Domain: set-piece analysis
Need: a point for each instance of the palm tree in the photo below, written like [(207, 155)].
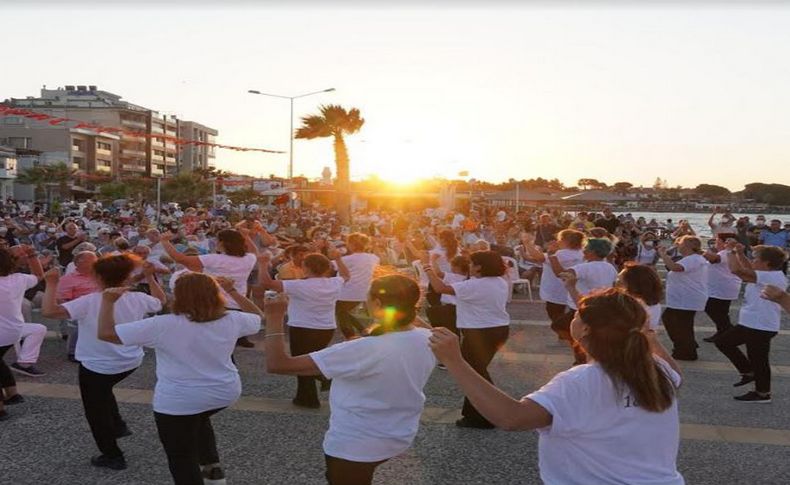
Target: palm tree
[(186, 188), (42, 177), (335, 121)]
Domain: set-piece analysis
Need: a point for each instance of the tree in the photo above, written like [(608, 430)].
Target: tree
[(43, 177), (622, 187), (246, 196), (336, 122), (186, 188), (775, 194), (709, 190), (587, 184), (138, 189)]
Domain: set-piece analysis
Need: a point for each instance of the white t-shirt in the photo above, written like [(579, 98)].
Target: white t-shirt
[(360, 267), (552, 289), (591, 276), (653, 315), (12, 289), (312, 302), (377, 393), (722, 283), (443, 263), (482, 302), (449, 279), (104, 357), (599, 435), (237, 268), (688, 289), (194, 371), (757, 312)]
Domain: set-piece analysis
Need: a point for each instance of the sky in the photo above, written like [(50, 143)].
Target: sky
[(691, 93)]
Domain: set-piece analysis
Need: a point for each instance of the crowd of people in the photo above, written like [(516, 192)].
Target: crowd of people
[(408, 291)]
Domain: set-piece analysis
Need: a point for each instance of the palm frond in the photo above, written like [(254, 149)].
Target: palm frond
[(313, 127)]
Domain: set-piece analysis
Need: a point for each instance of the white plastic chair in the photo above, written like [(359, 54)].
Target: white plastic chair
[(514, 278)]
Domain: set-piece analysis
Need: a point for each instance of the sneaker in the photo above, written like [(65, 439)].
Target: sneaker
[(305, 404), (468, 423), (15, 399), (753, 396), (113, 463), (28, 370), (123, 432), (214, 476), (712, 338), (745, 379), (682, 356)]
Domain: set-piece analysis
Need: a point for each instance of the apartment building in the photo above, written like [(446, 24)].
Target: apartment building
[(7, 171), (138, 152), (196, 156)]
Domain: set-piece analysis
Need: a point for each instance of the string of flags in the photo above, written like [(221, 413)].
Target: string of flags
[(7, 111)]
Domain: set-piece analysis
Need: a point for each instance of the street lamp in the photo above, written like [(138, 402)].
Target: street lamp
[(291, 131)]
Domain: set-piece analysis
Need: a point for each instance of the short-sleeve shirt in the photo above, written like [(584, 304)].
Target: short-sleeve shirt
[(482, 302), (757, 312), (312, 302), (688, 289), (552, 289), (194, 370), (377, 393), (599, 434), (237, 268), (12, 289), (105, 357), (591, 276), (360, 267)]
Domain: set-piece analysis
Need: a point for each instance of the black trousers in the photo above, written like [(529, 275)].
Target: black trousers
[(680, 329), (303, 341), (346, 472), (348, 323), (442, 316), (555, 311), (562, 327), (101, 408), (719, 312), (189, 443), (478, 347), (6, 377), (758, 347)]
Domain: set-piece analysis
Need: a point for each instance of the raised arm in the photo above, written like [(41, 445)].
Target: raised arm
[(149, 271), (342, 269), (245, 304), (777, 295), (106, 331), (49, 305), (278, 360), (671, 265), (191, 263), (530, 251), (499, 408), (438, 285), (264, 275), (740, 265), (569, 278)]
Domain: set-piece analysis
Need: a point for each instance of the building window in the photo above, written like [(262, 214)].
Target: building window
[(14, 120), (103, 163), (17, 142), (103, 146)]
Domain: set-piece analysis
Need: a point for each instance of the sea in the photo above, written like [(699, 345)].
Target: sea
[(698, 220)]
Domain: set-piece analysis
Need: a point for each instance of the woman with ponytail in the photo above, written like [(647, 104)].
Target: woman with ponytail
[(377, 396), (612, 420)]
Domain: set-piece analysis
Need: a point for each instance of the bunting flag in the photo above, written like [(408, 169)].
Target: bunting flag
[(6, 111)]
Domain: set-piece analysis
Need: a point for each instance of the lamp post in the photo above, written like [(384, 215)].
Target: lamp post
[(291, 126)]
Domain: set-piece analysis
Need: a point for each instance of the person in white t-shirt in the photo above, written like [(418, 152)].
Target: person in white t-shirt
[(613, 420), (687, 294), (777, 295), (596, 273), (562, 254), (642, 282), (195, 376), (482, 318), (12, 325), (235, 259), (361, 265), (311, 315), (102, 364), (445, 314), (377, 396), (723, 288), (758, 320)]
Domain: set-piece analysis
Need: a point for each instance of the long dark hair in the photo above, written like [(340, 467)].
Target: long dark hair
[(617, 343), (642, 282)]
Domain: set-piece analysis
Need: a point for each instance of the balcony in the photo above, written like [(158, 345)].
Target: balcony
[(132, 153), (102, 151), (103, 169), (156, 171), (157, 158), (140, 125), (171, 162), (128, 167), (158, 129), (157, 144)]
